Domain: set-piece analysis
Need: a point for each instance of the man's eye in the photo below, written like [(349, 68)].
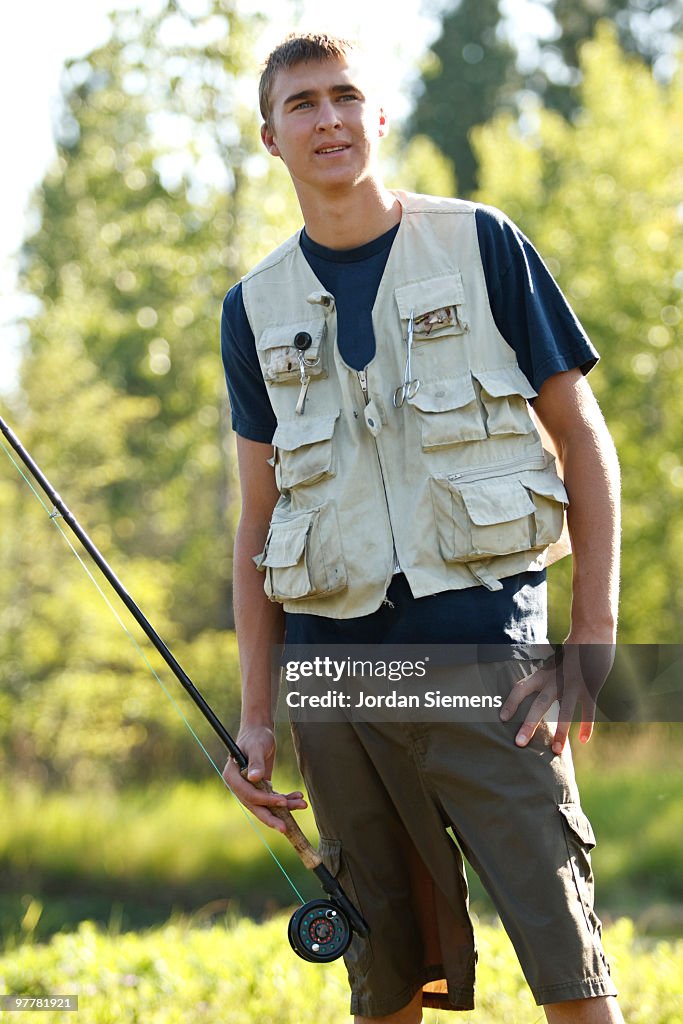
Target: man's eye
[(303, 105)]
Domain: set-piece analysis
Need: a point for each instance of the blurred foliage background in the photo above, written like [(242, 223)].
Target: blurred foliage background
[(159, 199)]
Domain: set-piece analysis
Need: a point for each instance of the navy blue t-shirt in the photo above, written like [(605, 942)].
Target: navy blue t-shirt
[(534, 318)]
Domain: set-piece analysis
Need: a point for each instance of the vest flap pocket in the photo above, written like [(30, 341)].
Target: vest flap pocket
[(303, 555), (508, 380), (482, 519), (550, 499), (440, 396), (279, 357), (306, 430), (504, 394), (545, 482), (495, 501), (448, 412), (436, 304), (433, 293), (286, 544), (303, 450)]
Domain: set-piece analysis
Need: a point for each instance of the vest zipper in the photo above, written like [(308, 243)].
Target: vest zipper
[(363, 381), (496, 469)]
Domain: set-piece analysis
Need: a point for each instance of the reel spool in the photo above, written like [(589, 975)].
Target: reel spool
[(319, 932)]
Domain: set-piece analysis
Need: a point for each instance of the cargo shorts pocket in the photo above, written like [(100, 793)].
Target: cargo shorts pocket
[(359, 955), (303, 451), (504, 394), (448, 412), (303, 556), (580, 840), (279, 357), (497, 516)]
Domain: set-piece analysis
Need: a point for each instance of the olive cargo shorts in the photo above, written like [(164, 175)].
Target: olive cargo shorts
[(384, 794)]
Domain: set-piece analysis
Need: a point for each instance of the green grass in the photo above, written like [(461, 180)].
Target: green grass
[(243, 972), (136, 857), (631, 782)]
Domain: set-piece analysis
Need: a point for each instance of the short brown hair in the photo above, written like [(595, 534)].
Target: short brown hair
[(296, 49)]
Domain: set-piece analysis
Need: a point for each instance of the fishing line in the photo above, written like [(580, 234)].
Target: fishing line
[(319, 931), (54, 516)]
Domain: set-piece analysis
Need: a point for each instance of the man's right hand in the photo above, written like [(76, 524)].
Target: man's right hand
[(258, 745)]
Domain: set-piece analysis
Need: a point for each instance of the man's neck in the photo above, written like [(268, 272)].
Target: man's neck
[(352, 217)]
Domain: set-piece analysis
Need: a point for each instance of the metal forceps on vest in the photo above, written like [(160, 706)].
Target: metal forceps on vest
[(411, 385)]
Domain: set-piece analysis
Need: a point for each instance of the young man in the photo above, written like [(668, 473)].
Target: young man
[(394, 489)]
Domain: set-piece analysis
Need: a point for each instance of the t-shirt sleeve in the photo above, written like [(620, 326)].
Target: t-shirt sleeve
[(527, 305), (252, 413)]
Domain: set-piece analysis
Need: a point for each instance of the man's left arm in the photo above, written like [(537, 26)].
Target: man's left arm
[(569, 413)]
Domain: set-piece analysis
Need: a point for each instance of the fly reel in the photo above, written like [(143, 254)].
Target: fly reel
[(319, 932)]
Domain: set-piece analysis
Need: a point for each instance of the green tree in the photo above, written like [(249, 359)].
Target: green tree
[(471, 71), (138, 240), (475, 68), (601, 199), (417, 165), (649, 28), (122, 398)]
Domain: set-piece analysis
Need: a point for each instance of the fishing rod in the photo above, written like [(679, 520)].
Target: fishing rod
[(319, 931)]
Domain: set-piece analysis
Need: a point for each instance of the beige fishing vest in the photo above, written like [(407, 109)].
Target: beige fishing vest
[(454, 485)]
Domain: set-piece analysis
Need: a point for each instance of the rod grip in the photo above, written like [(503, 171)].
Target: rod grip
[(308, 855)]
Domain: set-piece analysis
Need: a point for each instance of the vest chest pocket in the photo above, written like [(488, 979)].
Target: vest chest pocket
[(437, 305), (303, 556), (303, 451), (279, 357), (504, 393), (497, 515), (448, 412)]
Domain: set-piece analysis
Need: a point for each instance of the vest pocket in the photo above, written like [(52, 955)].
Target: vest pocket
[(550, 500), (448, 412), (303, 451), (279, 357), (497, 515), (303, 556), (437, 305), (503, 395)]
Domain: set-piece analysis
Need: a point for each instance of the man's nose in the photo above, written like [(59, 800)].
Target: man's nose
[(328, 116)]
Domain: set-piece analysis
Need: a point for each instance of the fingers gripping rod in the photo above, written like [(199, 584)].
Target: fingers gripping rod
[(309, 857)]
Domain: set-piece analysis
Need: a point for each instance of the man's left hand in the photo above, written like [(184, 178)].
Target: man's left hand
[(574, 676)]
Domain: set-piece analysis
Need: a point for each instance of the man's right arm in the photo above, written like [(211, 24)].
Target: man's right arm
[(259, 624)]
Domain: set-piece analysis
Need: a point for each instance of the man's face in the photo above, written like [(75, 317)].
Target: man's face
[(324, 124)]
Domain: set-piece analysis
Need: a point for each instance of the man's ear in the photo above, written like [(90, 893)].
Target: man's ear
[(383, 124), (268, 140)]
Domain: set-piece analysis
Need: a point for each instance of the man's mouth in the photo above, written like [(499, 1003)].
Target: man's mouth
[(331, 149)]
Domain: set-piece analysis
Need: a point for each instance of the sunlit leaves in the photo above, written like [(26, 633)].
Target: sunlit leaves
[(122, 397), (601, 200)]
